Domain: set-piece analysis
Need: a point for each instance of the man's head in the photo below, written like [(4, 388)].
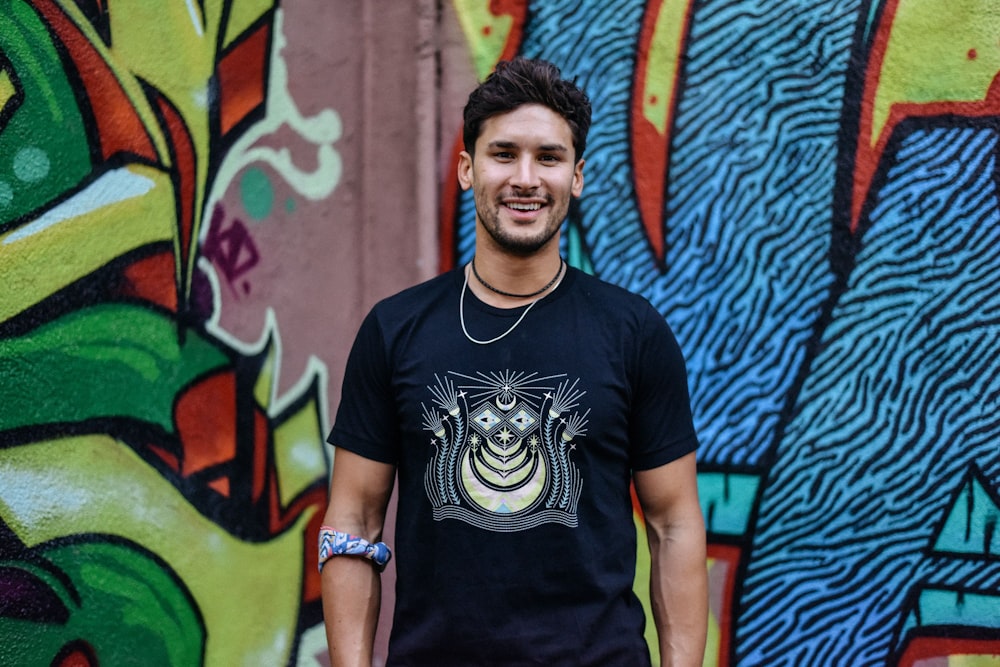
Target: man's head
[(521, 81)]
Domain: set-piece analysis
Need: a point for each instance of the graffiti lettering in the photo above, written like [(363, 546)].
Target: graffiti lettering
[(231, 249)]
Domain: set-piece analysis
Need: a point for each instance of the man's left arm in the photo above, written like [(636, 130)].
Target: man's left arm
[(675, 528)]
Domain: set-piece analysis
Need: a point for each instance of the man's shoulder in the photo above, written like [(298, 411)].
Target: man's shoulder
[(616, 298)]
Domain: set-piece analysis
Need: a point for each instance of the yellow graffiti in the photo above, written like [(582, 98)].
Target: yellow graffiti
[(664, 58), (7, 90), (175, 51), (640, 586), (166, 58), (123, 209), (298, 452), (125, 76), (216, 567), (485, 32), (299, 449), (714, 643), (938, 51), (972, 660), (242, 16)]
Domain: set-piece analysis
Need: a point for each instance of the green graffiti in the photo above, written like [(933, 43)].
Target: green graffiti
[(109, 360), (257, 193), (576, 252), (31, 164), (46, 122), (109, 596), (90, 380), (937, 608), (727, 500), (971, 524)]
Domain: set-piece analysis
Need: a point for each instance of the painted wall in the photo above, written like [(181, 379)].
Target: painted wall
[(808, 192), (187, 244), (199, 202)]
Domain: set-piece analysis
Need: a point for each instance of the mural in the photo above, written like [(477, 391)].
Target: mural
[(808, 191), (151, 471)]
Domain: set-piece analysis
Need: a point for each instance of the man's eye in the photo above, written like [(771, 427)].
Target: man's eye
[(549, 158), (503, 155)]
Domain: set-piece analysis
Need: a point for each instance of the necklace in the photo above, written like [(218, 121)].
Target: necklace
[(461, 308), (511, 294)]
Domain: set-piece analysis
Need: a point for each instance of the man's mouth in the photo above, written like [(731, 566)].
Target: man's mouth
[(523, 207)]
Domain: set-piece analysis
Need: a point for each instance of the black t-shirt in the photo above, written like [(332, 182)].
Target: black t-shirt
[(515, 542)]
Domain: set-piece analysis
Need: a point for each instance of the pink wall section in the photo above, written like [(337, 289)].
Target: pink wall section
[(328, 259)]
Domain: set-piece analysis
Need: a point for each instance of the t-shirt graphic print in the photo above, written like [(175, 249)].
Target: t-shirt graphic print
[(503, 446)]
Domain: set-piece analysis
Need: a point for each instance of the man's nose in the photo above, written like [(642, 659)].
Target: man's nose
[(525, 174)]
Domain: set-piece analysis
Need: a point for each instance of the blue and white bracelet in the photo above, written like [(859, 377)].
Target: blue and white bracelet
[(335, 543)]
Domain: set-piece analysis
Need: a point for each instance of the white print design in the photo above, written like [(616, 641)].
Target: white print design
[(502, 449)]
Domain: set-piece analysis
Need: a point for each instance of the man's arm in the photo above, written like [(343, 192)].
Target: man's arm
[(359, 493), (678, 575)]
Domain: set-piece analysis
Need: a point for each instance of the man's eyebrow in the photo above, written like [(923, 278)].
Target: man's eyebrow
[(544, 148)]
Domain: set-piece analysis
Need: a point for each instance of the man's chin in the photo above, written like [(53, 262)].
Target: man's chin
[(523, 247), (518, 238)]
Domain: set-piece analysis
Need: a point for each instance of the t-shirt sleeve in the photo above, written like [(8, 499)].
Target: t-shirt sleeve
[(366, 419), (661, 428)]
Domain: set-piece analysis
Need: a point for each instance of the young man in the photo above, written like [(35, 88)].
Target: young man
[(516, 398)]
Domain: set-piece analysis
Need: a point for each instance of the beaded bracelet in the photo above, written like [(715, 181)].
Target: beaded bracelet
[(335, 543)]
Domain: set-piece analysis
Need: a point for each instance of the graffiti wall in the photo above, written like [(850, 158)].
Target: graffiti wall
[(173, 304), (808, 191), (200, 200)]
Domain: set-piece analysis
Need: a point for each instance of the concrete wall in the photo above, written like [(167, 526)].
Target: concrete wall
[(199, 202)]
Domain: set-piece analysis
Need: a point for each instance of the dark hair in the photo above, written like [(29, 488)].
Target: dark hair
[(521, 81)]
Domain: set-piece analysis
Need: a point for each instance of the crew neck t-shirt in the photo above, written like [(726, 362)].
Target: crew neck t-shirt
[(515, 542)]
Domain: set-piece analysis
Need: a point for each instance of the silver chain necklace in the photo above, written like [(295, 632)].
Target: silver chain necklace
[(461, 310)]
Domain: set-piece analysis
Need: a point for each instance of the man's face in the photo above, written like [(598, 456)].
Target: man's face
[(522, 178)]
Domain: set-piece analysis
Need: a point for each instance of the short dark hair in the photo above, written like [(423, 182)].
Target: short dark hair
[(514, 83)]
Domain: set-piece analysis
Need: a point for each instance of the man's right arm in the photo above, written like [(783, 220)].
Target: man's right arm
[(359, 493)]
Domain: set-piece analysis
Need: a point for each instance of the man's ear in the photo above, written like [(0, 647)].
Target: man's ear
[(465, 170), (577, 189)]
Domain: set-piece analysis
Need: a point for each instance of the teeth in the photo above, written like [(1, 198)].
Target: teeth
[(525, 207)]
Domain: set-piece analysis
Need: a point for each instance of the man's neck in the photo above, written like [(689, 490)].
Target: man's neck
[(509, 281)]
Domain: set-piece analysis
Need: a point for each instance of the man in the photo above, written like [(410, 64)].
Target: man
[(516, 398)]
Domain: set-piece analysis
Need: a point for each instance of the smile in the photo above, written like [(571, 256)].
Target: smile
[(524, 207)]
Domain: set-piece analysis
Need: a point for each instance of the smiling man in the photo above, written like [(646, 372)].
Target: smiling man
[(517, 178), (515, 399)]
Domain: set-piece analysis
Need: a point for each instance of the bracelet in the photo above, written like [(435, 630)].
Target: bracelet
[(335, 543)]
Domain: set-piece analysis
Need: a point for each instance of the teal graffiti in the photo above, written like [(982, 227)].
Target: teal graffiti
[(257, 193)]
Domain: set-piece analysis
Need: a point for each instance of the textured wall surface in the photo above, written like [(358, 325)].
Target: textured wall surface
[(808, 192), (200, 200), (185, 254)]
